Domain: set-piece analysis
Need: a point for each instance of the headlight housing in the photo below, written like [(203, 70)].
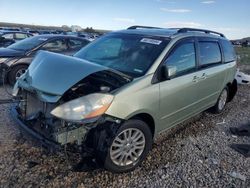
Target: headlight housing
[(86, 107)]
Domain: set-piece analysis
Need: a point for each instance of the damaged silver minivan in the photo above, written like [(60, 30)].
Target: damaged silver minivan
[(119, 92)]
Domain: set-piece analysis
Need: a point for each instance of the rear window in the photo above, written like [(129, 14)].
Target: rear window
[(228, 51), (20, 36), (209, 53)]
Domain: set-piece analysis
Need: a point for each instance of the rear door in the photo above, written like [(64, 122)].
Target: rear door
[(178, 96), (211, 72)]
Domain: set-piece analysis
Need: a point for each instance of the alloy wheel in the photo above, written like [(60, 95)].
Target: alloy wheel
[(127, 147), (20, 72)]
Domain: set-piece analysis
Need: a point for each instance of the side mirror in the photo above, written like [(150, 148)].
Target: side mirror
[(169, 71)]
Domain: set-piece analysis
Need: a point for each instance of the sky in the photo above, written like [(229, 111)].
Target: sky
[(231, 17)]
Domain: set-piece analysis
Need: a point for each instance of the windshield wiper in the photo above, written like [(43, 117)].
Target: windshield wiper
[(126, 76)]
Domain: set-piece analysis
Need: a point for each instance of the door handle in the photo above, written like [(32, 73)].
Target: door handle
[(204, 76), (195, 79)]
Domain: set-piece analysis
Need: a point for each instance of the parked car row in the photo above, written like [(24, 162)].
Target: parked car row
[(241, 43), (9, 37), (15, 59)]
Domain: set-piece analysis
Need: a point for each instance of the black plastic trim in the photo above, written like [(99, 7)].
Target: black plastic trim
[(45, 142), (184, 30)]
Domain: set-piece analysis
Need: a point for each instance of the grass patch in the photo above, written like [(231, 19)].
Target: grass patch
[(243, 54)]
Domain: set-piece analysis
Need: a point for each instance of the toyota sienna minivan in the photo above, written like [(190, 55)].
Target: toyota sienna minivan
[(118, 93)]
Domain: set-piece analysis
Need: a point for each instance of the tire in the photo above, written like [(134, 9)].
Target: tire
[(16, 71), (221, 102), (142, 141)]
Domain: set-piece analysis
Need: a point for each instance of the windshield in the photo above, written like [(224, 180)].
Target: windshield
[(128, 53), (28, 43)]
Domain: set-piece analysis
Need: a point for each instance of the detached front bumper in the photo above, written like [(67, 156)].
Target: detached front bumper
[(104, 127), (44, 141)]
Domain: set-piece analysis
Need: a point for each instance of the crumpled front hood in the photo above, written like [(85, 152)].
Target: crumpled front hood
[(54, 74)]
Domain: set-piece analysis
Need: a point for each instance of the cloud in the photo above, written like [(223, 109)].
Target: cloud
[(178, 24), (175, 10), (208, 2), (127, 20)]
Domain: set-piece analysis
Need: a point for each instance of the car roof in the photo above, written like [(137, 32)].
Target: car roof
[(51, 36), (153, 32), (171, 32)]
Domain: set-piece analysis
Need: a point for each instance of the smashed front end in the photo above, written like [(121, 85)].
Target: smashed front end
[(68, 106), (35, 114)]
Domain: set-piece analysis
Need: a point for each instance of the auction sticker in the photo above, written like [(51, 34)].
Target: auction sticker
[(151, 41)]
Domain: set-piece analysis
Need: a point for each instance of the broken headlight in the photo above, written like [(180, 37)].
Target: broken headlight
[(89, 106)]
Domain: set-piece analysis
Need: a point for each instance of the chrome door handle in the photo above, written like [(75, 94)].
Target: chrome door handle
[(204, 76), (195, 79)]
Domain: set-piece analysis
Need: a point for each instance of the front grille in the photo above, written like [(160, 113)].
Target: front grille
[(31, 106)]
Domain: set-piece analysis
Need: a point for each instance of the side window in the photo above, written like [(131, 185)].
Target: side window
[(55, 46), (182, 58), (228, 50), (76, 44), (8, 36), (20, 36), (209, 53)]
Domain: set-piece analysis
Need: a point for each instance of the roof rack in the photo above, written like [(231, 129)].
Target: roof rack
[(184, 30), (179, 30), (143, 27)]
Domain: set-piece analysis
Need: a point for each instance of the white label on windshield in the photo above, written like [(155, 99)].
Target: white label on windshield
[(138, 70), (151, 41), (43, 39)]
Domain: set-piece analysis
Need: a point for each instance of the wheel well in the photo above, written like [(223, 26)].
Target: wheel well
[(12, 67), (148, 119), (19, 64), (232, 89), (15, 65)]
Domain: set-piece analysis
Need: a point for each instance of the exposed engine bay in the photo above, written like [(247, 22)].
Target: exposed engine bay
[(99, 82)]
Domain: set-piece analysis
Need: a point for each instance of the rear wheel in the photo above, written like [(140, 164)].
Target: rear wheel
[(16, 72), (221, 103), (129, 147)]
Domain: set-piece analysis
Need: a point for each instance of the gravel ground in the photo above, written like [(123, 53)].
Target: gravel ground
[(194, 154)]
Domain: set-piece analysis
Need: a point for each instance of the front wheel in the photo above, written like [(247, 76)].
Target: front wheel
[(129, 147)]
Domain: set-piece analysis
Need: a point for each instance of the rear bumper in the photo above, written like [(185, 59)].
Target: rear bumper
[(44, 141)]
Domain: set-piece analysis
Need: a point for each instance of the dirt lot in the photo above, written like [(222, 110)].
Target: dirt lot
[(194, 154)]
